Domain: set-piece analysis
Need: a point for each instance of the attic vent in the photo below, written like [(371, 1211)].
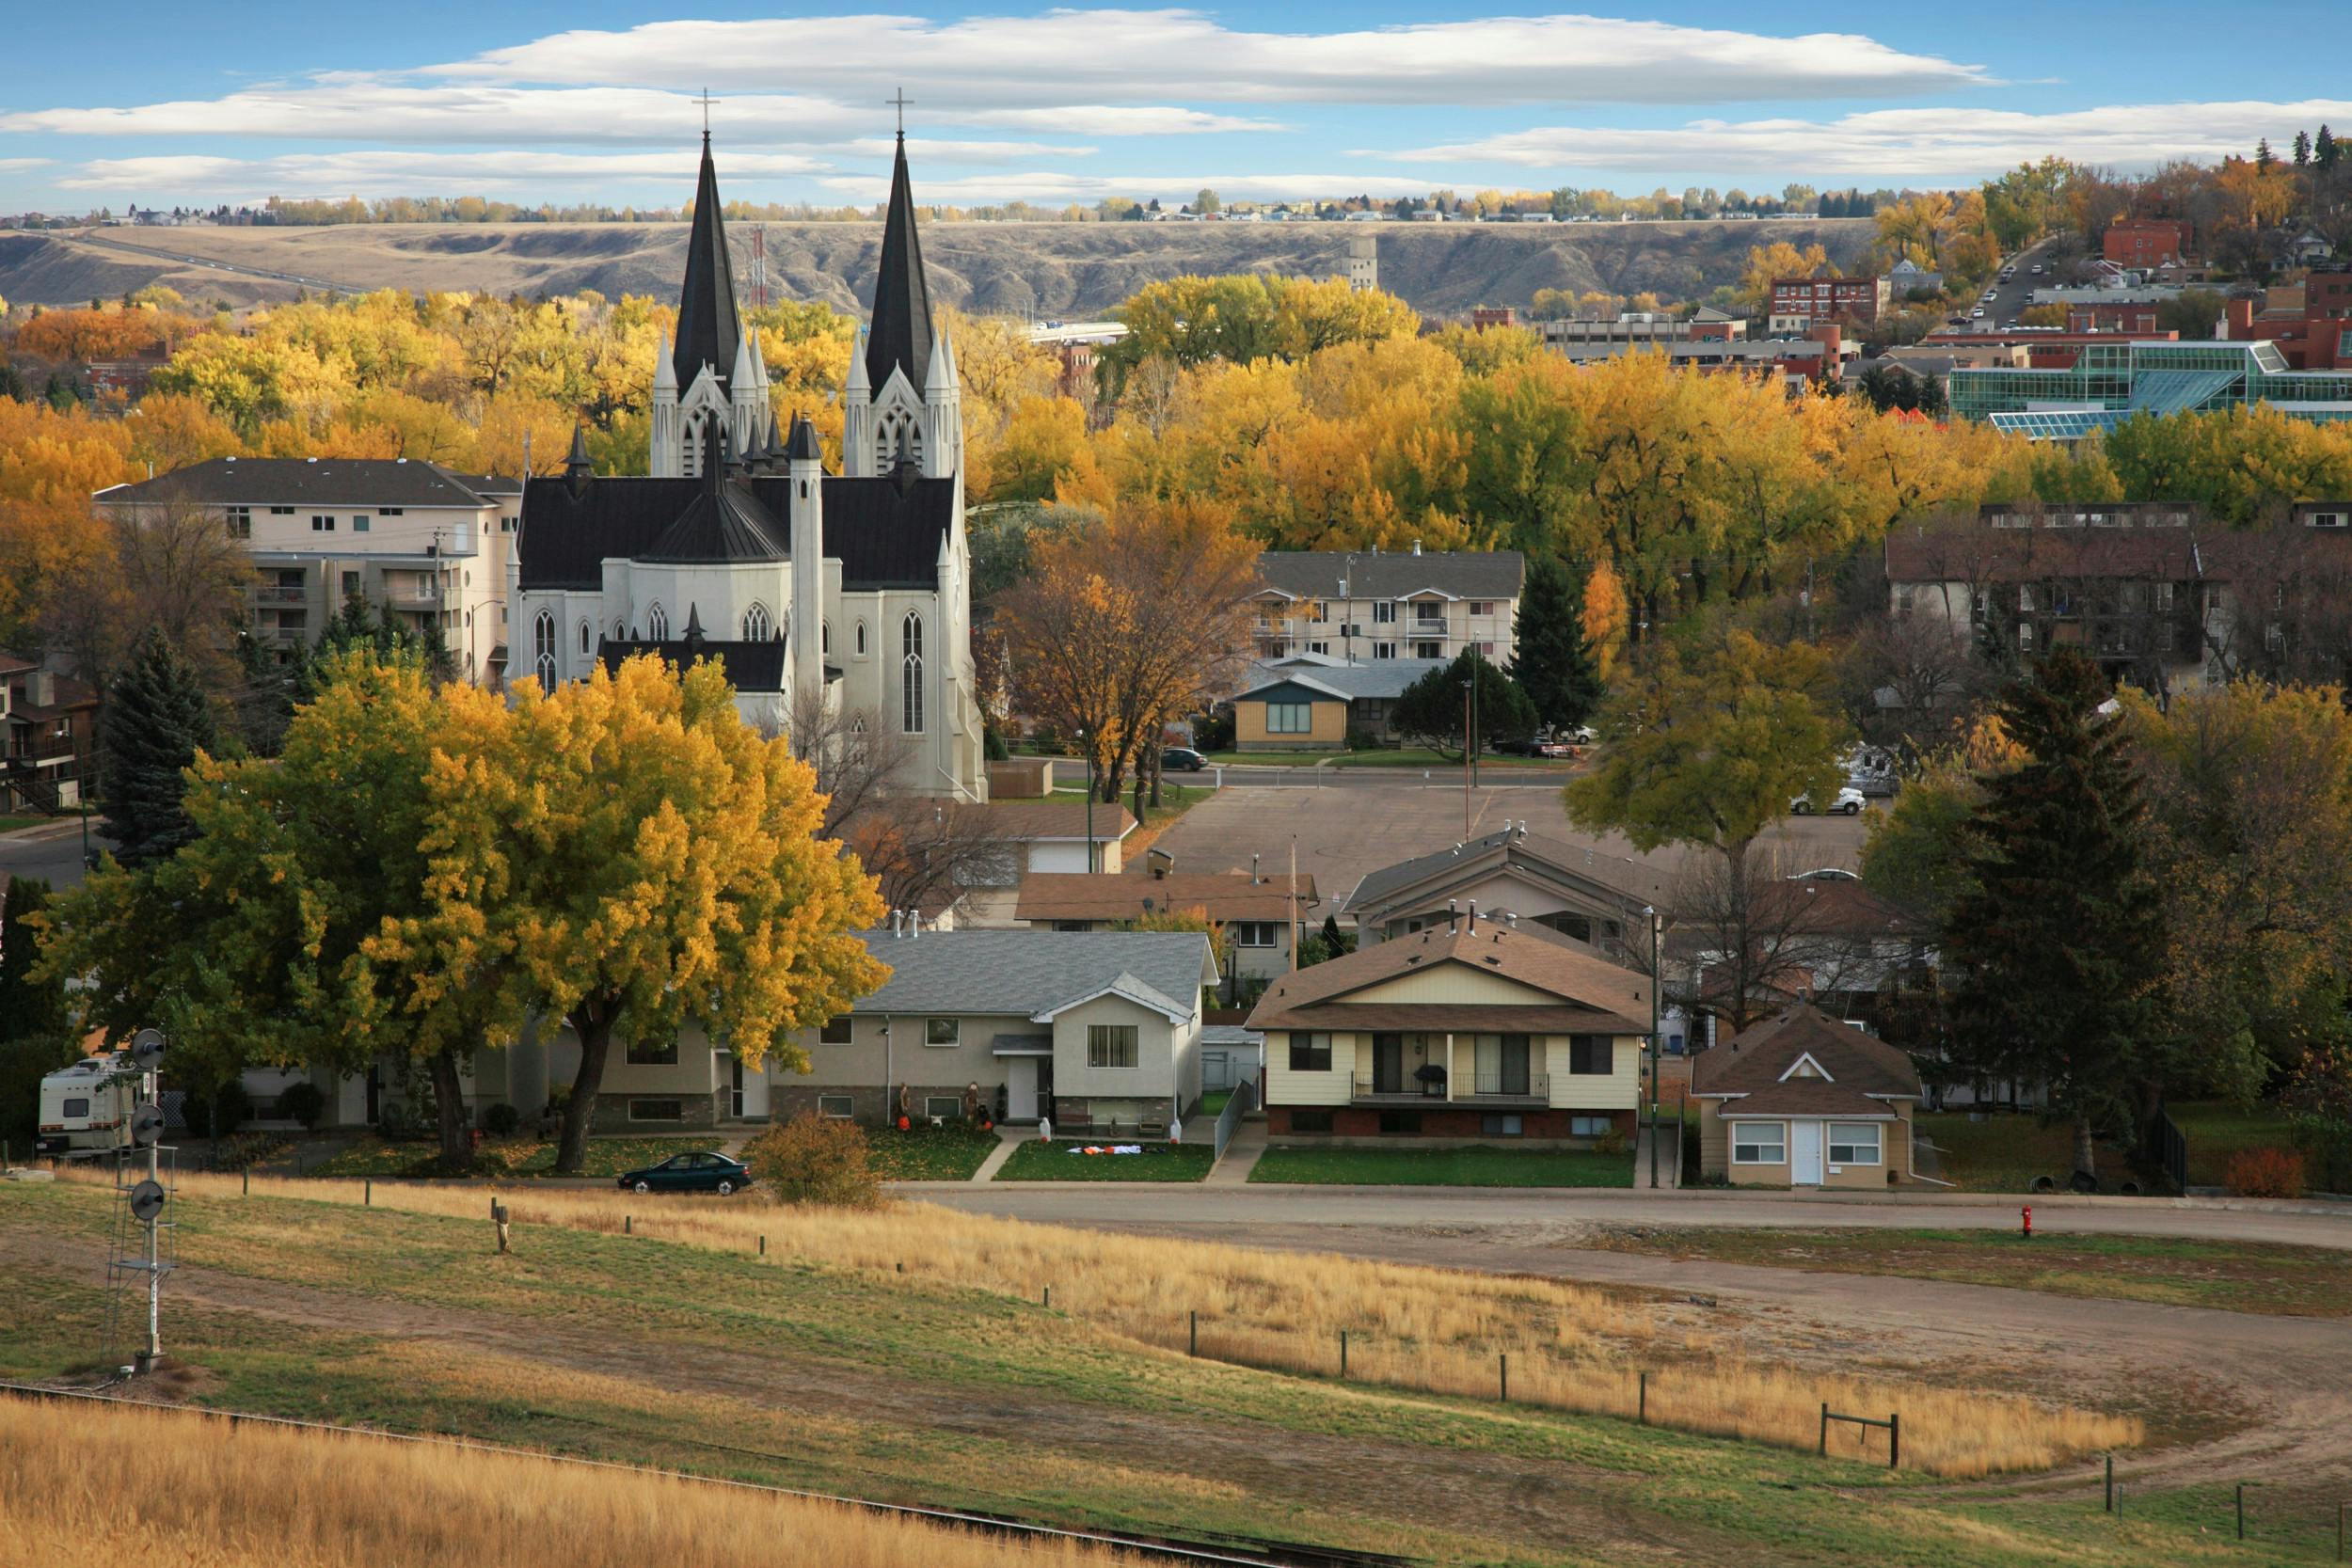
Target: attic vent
[(1494, 959), (1413, 958)]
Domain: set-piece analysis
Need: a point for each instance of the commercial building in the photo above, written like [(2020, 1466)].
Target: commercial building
[(423, 544), (2309, 322), (1797, 303), (2109, 382), (1631, 328), (1369, 605), (2148, 243)]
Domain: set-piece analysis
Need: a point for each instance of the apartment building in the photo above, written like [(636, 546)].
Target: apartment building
[(1364, 606), (421, 542), (1642, 328), (1799, 302)]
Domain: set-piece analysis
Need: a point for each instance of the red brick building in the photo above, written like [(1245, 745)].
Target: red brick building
[(2138, 321), (2311, 322), (1485, 316), (1799, 302), (2148, 242)]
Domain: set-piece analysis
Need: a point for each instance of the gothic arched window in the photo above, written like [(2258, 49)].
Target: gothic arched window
[(911, 672), (824, 639), (542, 650), (756, 624), (584, 637), (657, 624), (861, 640)]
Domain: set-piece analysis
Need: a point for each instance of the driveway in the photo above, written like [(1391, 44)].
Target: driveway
[(1344, 829)]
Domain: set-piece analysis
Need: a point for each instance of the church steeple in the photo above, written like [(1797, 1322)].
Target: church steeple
[(707, 329), (900, 335)]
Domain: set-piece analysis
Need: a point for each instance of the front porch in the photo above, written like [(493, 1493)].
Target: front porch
[(1484, 1090), (1432, 1070)]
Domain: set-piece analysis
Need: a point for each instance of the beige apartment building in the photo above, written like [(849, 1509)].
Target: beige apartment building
[(422, 542), (1371, 607)]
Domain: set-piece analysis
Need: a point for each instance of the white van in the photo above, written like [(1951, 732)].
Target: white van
[(86, 1107)]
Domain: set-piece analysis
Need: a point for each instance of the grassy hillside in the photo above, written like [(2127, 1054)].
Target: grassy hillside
[(1063, 271), (893, 1357)]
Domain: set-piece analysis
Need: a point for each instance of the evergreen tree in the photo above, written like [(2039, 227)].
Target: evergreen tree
[(12, 384), (2263, 158), (157, 719), (2324, 148), (60, 394), (25, 1007), (2302, 148), (2054, 951), (1555, 666), (1431, 712)]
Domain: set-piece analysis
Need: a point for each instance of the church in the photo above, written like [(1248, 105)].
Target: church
[(846, 593)]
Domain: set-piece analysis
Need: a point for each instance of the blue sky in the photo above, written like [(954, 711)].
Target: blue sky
[(173, 103)]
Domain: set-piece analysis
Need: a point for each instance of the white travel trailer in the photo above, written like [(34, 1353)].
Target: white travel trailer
[(85, 1109)]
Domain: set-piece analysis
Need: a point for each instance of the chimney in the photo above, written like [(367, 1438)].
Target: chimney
[(1253, 871), (898, 921), (1473, 915), (1511, 919), (1452, 915), (914, 924), (1160, 862), (1417, 547), (41, 688), (2238, 316)]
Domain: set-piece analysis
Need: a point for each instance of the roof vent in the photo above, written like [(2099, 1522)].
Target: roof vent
[(310, 460), (400, 460)]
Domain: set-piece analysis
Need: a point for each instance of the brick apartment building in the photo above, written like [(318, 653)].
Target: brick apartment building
[(2149, 243), (1799, 302), (2138, 320), (2309, 322)]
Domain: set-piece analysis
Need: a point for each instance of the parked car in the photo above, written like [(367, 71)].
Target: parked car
[(1848, 803), (1182, 759), (690, 1173)]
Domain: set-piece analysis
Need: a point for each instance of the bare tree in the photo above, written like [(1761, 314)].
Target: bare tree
[(1755, 934), (932, 854), (174, 568), (853, 752), (1914, 681)]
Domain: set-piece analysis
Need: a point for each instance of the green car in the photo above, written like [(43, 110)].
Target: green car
[(690, 1173)]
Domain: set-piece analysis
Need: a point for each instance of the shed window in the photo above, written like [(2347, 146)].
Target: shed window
[(1289, 718), (1854, 1143), (1760, 1143)]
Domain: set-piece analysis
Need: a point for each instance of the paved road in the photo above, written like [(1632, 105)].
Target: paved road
[(2010, 298), (1516, 776), (54, 853), (1240, 1213)]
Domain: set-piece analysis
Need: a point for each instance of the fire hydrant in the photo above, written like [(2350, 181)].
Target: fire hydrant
[(2028, 1211)]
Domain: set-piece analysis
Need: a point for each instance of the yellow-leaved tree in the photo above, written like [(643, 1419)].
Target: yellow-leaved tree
[(629, 856)]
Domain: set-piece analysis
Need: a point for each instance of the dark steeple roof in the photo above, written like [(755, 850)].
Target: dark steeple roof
[(725, 525), (901, 331), (706, 310), (803, 447)]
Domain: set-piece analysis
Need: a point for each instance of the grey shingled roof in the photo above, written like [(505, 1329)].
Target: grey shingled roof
[(1024, 973), (1632, 880), (1384, 677), (305, 481), (1316, 574)]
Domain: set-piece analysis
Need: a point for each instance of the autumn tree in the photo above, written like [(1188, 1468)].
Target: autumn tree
[(2054, 955), (1128, 622), (628, 856)]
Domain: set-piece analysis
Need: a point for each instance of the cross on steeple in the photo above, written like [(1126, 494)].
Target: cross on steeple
[(706, 101), (900, 101)]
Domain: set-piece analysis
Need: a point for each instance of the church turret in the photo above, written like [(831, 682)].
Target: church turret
[(942, 414), (665, 447), (578, 470), (804, 471), (857, 415), (902, 390), (743, 394)]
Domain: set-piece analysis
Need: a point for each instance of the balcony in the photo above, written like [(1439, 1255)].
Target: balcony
[(414, 597), (273, 592), (1485, 1088)]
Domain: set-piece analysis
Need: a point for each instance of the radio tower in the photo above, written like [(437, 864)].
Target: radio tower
[(759, 265)]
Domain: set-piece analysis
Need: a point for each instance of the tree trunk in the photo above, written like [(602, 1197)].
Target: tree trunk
[(2086, 1152), (592, 1021), (449, 1099)]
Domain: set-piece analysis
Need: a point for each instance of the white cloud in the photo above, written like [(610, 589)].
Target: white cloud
[(12, 165), (1894, 145), (1118, 119), (1159, 55), (390, 173), (1057, 186)]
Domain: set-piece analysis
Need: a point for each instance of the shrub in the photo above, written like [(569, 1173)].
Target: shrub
[(816, 1161), (304, 1102), (2264, 1173), (234, 1105), (1213, 731), (500, 1121), (1361, 739)]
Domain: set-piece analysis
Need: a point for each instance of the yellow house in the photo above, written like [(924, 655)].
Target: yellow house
[(1469, 1031), (1802, 1099)]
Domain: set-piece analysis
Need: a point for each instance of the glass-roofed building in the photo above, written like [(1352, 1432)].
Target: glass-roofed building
[(2108, 383)]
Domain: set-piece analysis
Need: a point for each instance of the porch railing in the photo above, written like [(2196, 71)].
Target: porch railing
[(1478, 1086)]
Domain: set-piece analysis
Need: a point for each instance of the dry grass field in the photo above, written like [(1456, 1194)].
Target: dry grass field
[(909, 1357), (167, 1486)]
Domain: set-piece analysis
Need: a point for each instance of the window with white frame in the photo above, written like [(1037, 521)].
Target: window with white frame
[(835, 1107), (942, 1107), (755, 625), (1254, 933), (858, 643), (584, 637), (1760, 1143), (240, 522), (1854, 1143), (1384, 613), (1289, 718), (1113, 1045), (1310, 1052), (543, 651), (943, 1031), (658, 624), (1428, 611), (911, 673), (322, 523), (359, 522), (1384, 650)]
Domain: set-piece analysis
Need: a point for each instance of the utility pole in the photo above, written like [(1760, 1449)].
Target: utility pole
[(1651, 910), (1468, 688), (1089, 757)]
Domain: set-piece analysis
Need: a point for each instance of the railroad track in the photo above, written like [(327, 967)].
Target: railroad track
[(1235, 1553)]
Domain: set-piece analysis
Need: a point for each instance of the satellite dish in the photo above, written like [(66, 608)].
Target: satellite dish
[(147, 1049), (147, 1125), (146, 1199)]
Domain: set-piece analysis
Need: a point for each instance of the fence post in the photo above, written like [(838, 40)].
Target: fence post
[(1894, 1438), (1823, 1451), (1343, 1355), (1641, 1414), (367, 1194), (2240, 1510), (2110, 1502), (763, 1247), (1502, 1376), (628, 1225), (2341, 1510), (244, 1187), (1196, 1331), (1047, 1299)]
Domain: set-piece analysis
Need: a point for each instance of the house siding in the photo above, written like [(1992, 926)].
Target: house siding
[(1326, 718), (1715, 1149)]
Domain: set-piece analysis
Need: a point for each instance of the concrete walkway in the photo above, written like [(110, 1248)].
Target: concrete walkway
[(1241, 1155), (1008, 1139), (1669, 1166)]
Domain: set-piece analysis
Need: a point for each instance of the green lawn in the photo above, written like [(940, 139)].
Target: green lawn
[(1213, 1102), (2216, 1129), (505, 1157), (2283, 1281), (1478, 1166), (1038, 1160), (946, 1153), (2004, 1153), (11, 824), (790, 1372), (1405, 756), (1175, 800)]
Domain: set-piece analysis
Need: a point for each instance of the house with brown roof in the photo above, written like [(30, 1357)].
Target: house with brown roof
[(1468, 1032), (1256, 915), (1802, 1099)]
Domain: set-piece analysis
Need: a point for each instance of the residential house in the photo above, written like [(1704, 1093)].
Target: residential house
[(1257, 915), (1816, 936), (1577, 891), (1314, 705), (1359, 605), (422, 542), (1043, 836), (1098, 1029), (1802, 1099), (50, 723), (1464, 1033)]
